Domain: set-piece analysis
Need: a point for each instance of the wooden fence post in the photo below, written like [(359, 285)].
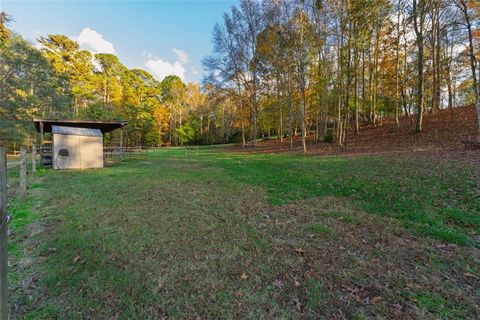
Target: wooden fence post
[(3, 234), (34, 153), (34, 158), (121, 144), (23, 172)]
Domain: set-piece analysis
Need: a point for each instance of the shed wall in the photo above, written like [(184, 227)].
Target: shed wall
[(84, 152), (91, 152)]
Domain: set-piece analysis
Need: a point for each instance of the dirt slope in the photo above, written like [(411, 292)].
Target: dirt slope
[(443, 135)]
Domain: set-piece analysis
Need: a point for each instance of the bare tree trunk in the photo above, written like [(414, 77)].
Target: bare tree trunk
[(301, 69), (397, 69), (349, 80), (473, 61), (449, 75), (439, 61), (363, 82), (325, 128), (375, 84), (340, 130), (243, 134), (281, 125), (255, 110), (170, 131), (404, 72), (339, 119), (418, 17), (320, 91), (280, 131), (302, 93), (434, 59), (207, 130), (370, 81), (340, 77), (290, 112), (355, 99)]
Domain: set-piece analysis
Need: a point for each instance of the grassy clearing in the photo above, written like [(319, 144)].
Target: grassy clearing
[(232, 235), (438, 200)]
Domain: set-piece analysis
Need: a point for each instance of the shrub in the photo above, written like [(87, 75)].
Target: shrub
[(328, 137)]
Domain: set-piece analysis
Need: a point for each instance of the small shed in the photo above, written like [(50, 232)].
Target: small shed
[(75, 144), (77, 148)]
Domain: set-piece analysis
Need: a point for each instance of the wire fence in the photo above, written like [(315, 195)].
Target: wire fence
[(15, 198), (13, 164), (13, 191), (16, 180), (118, 154)]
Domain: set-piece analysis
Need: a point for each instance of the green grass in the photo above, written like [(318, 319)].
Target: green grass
[(435, 200), (433, 303), (22, 216), (223, 235), (318, 229)]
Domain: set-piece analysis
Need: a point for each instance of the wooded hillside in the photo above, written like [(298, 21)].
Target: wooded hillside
[(324, 68)]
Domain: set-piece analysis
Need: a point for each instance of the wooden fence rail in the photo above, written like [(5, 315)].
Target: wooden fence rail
[(120, 153)]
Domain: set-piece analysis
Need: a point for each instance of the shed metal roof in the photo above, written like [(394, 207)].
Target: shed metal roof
[(104, 126), (74, 131)]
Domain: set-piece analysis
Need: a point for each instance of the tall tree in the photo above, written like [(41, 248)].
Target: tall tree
[(419, 14), (466, 8)]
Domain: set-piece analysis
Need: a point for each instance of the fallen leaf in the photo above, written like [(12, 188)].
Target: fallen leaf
[(75, 259), (397, 306), (376, 299), (470, 275), (278, 283), (300, 250), (238, 294), (448, 247), (244, 276), (298, 304), (297, 284)]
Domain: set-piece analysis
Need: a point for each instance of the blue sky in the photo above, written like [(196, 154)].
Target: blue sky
[(161, 37)]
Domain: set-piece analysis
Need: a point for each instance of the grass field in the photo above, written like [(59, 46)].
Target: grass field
[(222, 235)]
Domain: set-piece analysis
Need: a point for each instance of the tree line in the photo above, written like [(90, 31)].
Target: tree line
[(283, 68), (324, 67), (57, 79)]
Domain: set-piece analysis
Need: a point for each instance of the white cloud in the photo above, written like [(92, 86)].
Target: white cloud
[(181, 55), (96, 64), (161, 68), (93, 40), (216, 74), (38, 45)]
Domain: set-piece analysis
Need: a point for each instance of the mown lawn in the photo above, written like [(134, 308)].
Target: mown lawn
[(219, 235)]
